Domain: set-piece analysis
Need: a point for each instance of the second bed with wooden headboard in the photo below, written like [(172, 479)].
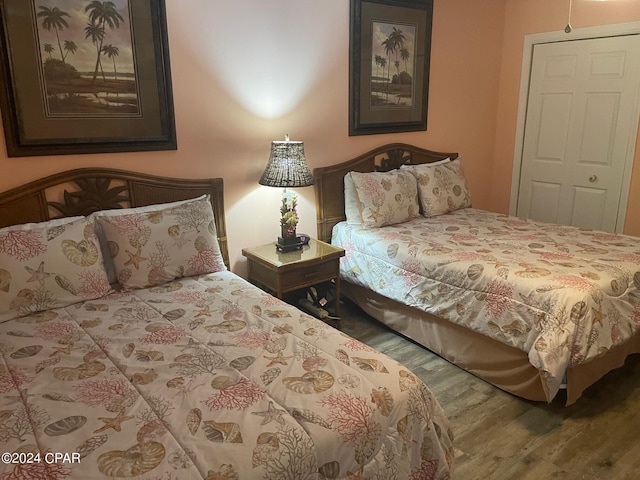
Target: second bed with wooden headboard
[(532, 308)]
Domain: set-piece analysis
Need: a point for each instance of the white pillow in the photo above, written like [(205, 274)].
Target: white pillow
[(383, 198), (49, 265), (351, 203), (430, 164)]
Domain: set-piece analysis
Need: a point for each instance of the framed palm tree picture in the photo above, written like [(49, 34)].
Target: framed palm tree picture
[(83, 76), (389, 52)]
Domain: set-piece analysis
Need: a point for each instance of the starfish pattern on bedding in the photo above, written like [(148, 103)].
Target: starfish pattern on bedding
[(38, 275), (112, 422), (271, 414), (281, 359), (134, 258), (206, 311)]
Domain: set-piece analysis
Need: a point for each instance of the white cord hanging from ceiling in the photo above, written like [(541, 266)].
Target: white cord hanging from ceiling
[(567, 29)]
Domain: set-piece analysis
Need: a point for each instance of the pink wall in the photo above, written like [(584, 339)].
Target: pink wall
[(245, 73), (523, 17)]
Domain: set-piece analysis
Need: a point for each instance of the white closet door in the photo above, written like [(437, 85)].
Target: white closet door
[(579, 120)]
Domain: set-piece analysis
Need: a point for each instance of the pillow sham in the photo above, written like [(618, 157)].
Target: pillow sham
[(351, 203), (157, 245), (442, 188), (383, 198), (49, 265), (108, 248)]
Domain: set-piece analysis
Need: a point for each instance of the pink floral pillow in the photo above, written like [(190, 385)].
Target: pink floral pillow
[(157, 246), (383, 198), (442, 188), (49, 265)]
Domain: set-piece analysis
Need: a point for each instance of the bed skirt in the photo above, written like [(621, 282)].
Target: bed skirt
[(501, 365)]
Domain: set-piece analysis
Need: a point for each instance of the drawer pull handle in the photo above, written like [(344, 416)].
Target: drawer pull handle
[(312, 274)]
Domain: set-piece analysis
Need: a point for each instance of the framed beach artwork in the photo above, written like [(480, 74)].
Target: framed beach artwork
[(389, 52), (83, 76)]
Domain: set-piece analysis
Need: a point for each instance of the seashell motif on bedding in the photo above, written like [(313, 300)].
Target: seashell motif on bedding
[(135, 461), (145, 377), (175, 382), (54, 232), (311, 382), (201, 244), (158, 276), (91, 323), (226, 327), (222, 381), (475, 271), (242, 363), (370, 364), (330, 470), (267, 444), (533, 272), (81, 372), (270, 375), (66, 284), (40, 366), (342, 356), (5, 280), (383, 400), (309, 416), (91, 444), (65, 425), (173, 231), (194, 418), (22, 299), (82, 253), (19, 333), (149, 356), (224, 432), (578, 311), (58, 397), (25, 352), (128, 349), (174, 315)]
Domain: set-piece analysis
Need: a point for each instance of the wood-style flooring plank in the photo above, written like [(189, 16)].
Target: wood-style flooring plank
[(502, 437)]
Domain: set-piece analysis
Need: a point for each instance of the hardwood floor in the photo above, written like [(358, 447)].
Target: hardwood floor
[(501, 437)]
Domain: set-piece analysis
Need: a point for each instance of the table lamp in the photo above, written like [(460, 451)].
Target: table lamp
[(287, 168)]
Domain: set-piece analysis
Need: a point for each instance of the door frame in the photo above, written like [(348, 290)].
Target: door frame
[(530, 41)]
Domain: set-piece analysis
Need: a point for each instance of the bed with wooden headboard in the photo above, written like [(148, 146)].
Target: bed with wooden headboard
[(502, 327), (128, 349)]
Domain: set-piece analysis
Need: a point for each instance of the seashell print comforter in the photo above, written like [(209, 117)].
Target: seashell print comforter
[(208, 378), (563, 295)]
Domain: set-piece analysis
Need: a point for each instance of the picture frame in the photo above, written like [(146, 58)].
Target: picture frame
[(85, 77), (389, 56)]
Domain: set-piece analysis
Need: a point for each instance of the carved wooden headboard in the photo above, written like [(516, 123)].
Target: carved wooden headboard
[(86, 190), (329, 181)]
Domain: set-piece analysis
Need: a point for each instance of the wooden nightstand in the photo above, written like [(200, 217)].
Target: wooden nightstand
[(279, 273)]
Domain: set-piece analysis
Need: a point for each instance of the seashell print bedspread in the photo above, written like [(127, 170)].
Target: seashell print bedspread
[(208, 378), (563, 295)]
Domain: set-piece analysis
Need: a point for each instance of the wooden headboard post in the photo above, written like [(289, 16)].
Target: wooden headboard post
[(329, 181), (97, 189)]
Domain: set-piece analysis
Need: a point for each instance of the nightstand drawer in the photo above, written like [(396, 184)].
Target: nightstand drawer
[(303, 277)]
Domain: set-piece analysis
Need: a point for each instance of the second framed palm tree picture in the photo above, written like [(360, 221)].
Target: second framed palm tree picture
[(85, 77), (390, 46)]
